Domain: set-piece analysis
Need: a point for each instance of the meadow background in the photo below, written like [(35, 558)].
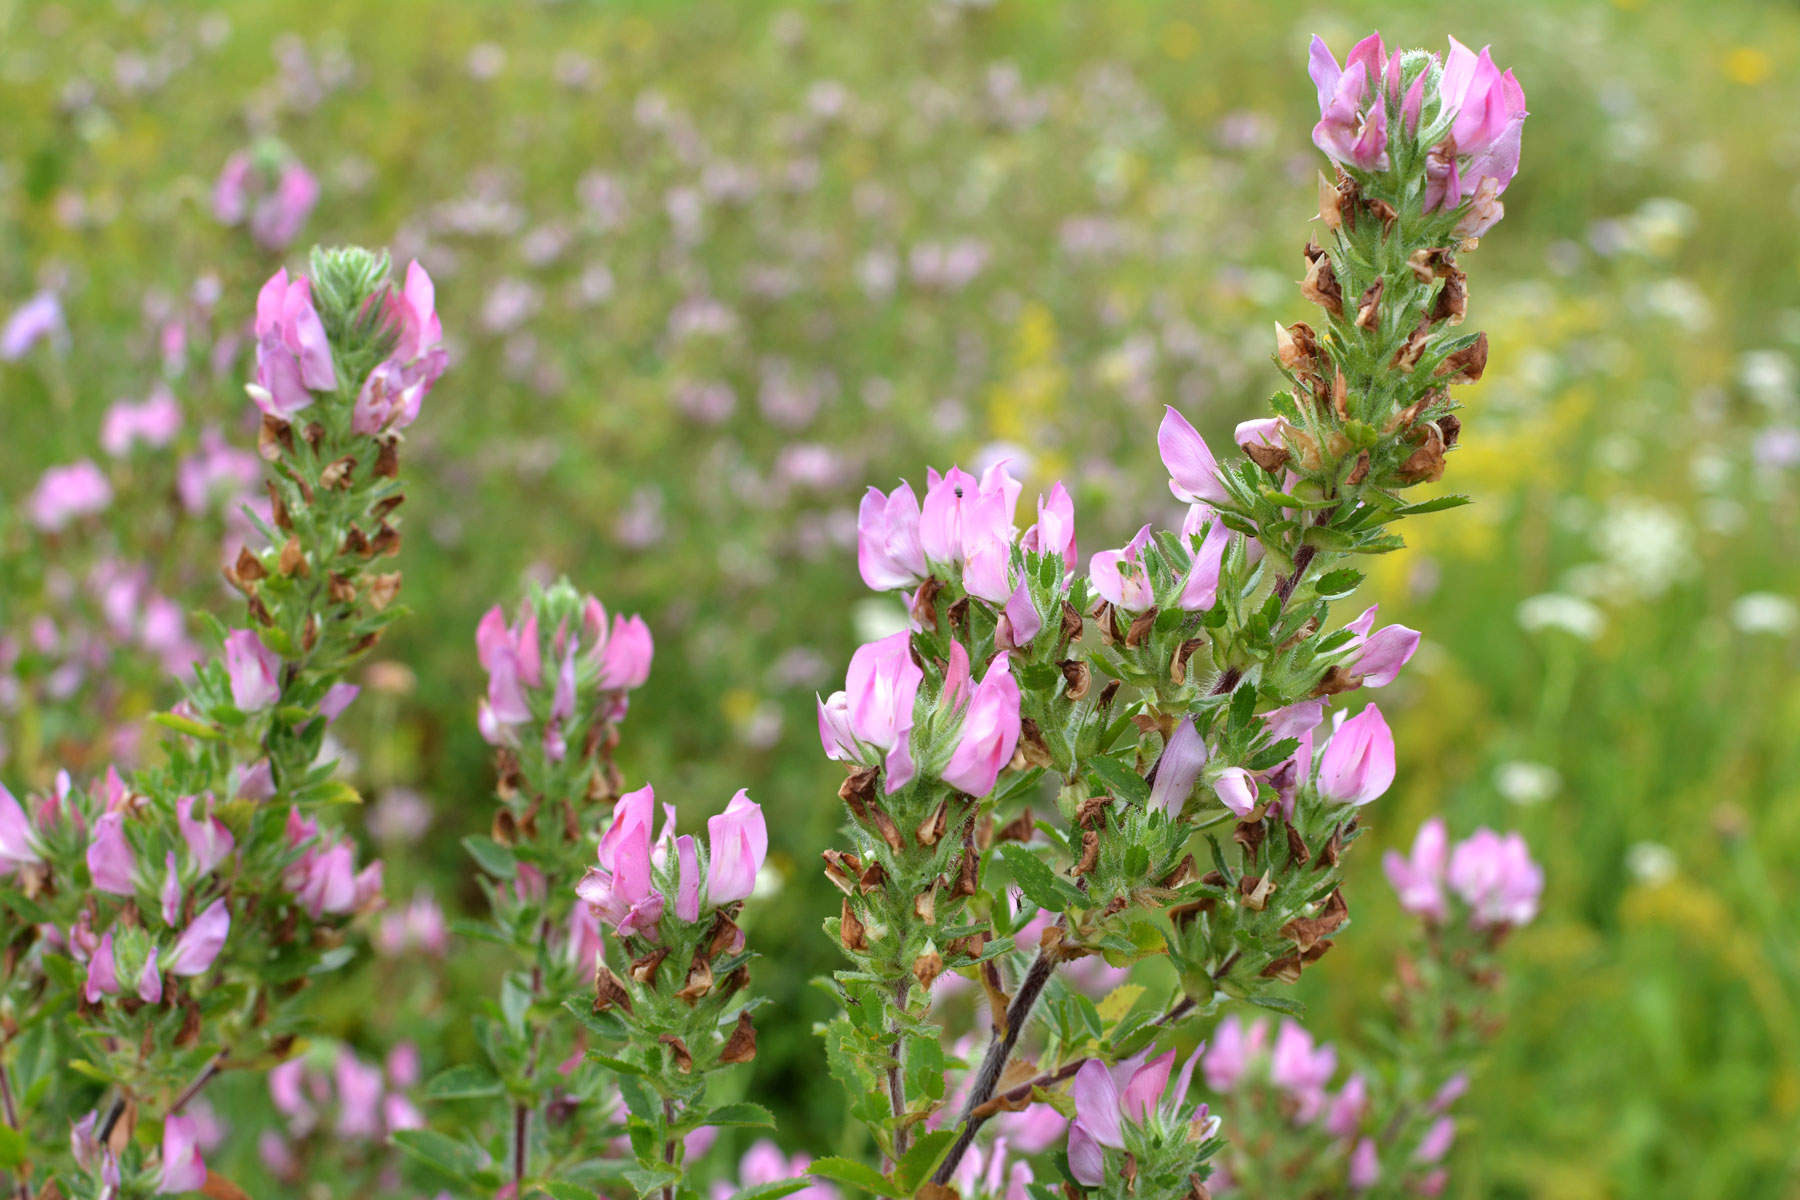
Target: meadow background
[(706, 270)]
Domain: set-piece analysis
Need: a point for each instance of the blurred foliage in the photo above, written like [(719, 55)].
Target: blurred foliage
[(708, 269)]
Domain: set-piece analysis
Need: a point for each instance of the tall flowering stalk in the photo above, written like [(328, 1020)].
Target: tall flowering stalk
[(629, 971), (161, 927), (1176, 694)]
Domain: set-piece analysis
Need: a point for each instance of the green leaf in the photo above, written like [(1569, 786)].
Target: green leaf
[(1037, 881), (917, 1163), (12, 1148), (1120, 779), (766, 1191), (461, 1083), (491, 856), (186, 725), (1281, 1004), (859, 1175), (1340, 582), (743, 1113), (1436, 504), (444, 1154), (566, 1191)]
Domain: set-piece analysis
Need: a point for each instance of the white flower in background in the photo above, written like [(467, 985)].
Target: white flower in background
[(1679, 300), (1765, 612), (876, 618), (1526, 783), (1651, 862), (1559, 610), (1769, 377), (1644, 547)]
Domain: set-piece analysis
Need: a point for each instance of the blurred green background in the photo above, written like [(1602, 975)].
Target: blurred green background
[(709, 269)]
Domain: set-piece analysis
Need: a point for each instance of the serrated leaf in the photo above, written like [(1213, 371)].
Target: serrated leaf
[(766, 1191), (1281, 1004), (1436, 504), (1119, 1001), (917, 1163), (491, 856), (1120, 779), (461, 1083), (1037, 881), (742, 1113), (1340, 582), (861, 1175), (444, 1154)]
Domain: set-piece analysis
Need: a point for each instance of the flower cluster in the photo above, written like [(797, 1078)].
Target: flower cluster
[(268, 190), (535, 674), (1492, 874)]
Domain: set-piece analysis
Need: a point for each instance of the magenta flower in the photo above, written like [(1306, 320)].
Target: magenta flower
[(687, 877), (514, 662), (280, 214), (1232, 1049), (888, 551), (254, 671), (737, 843), (961, 513), (1119, 576), (621, 888), (1054, 532), (35, 320), (1236, 789), (18, 840), (152, 422), (1020, 617), (1496, 877), (232, 190), (990, 732), (1193, 471), (875, 711), (1358, 763), (200, 943), (625, 661), (1302, 1070), (182, 1167), (1352, 128), (1381, 654), (1436, 1142), (391, 396), (207, 838), (1178, 769), (111, 862), (66, 493), (293, 357), (1201, 588), (987, 571), (1479, 155), (1103, 1107), (1365, 1166), (102, 971), (360, 1088), (1346, 1110), (1418, 879)]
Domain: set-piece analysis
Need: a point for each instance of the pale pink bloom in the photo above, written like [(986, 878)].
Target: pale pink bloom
[(1352, 128), (1381, 654), (875, 711), (1236, 789), (217, 470), (336, 699), (18, 841), (182, 1168), (150, 986), (621, 888), (1261, 431), (1301, 1069), (1358, 763), (1232, 1049), (990, 732), (152, 422), (392, 394), (513, 660), (200, 943), (960, 513), (737, 843), (687, 874), (280, 214), (987, 571), (1178, 769), (1193, 471), (35, 320), (360, 1088), (169, 898), (293, 357), (254, 671), (66, 493), (1201, 588), (1020, 617), (1119, 576), (1496, 877), (110, 860), (889, 554), (1479, 155), (625, 663), (231, 191), (1418, 879), (1054, 532), (102, 971), (1344, 1113), (1365, 1166), (765, 1163), (1436, 1142), (1133, 1092), (988, 1175)]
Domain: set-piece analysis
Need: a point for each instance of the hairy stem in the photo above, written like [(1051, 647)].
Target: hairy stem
[(206, 1076), (896, 1074), (669, 1146)]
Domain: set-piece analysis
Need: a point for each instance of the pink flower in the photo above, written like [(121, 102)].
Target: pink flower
[(987, 571), (1380, 655), (359, 1091), (200, 943), (1300, 1069), (1103, 1107), (1496, 877), (110, 860), (1352, 128), (153, 422), (1344, 1114), (687, 875), (1178, 769), (961, 513), (231, 191), (254, 671), (66, 493), (293, 357), (280, 214), (876, 708), (990, 732), (35, 320), (182, 1168), (514, 662), (1119, 576), (1231, 1051), (737, 843), (18, 841), (1358, 763), (1236, 789), (625, 663), (102, 971), (391, 396), (1193, 471), (1479, 155), (1419, 879), (1201, 588), (888, 551), (621, 888), (1020, 617), (1054, 532), (1436, 1142), (1365, 1166)]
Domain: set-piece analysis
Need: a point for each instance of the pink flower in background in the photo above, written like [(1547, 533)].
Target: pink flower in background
[(152, 422), (36, 320), (254, 671), (200, 943), (621, 888), (1231, 1051), (1344, 1113), (1193, 471), (1418, 878), (182, 1167), (737, 843), (889, 554), (293, 357), (625, 660), (1352, 128), (1119, 576), (278, 215), (765, 1163), (102, 971), (18, 841), (988, 1174), (990, 731), (68, 492), (1358, 763), (1301, 1069), (232, 190), (1365, 1166), (1496, 877), (876, 708)]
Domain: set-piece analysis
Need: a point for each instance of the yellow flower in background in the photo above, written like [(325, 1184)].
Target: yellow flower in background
[(1748, 65), (1025, 400), (1180, 40)]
